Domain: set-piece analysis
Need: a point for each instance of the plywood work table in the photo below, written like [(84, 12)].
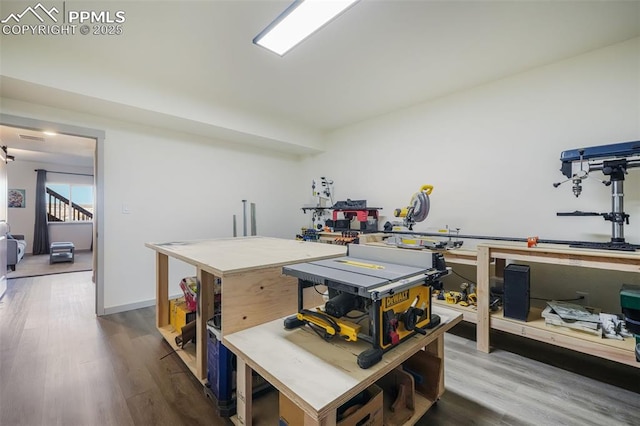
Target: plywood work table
[(320, 376), (497, 253), (535, 328), (249, 271)]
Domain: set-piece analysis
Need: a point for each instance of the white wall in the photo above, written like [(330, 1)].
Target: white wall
[(176, 187), (492, 154), (78, 233), (21, 175)]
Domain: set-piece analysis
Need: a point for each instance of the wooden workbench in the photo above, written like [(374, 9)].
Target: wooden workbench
[(496, 253), (320, 376), (249, 270), (535, 328)]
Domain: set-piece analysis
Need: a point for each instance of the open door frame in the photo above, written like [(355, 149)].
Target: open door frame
[(98, 161)]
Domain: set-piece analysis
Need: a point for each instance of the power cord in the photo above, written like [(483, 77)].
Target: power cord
[(463, 277)]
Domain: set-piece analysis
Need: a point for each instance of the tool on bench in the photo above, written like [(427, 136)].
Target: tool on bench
[(416, 211), (469, 297), (613, 161), (389, 289), (630, 303), (187, 334), (418, 208)]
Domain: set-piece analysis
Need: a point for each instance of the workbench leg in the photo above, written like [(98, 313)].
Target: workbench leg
[(439, 352), (203, 313), (483, 326), (436, 348), (329, 420), (244, 392), (500, 264), (162, 289)]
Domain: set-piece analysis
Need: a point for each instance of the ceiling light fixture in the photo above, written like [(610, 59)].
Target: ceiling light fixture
[(7, 157), (301, 19), (49, 133)]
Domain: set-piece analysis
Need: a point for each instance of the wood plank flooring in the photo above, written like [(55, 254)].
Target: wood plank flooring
[(61, 365)]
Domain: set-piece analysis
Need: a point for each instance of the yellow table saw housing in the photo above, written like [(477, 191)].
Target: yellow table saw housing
[(376, 294)]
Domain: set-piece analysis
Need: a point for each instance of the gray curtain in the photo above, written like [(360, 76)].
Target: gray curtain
[(41, 228)]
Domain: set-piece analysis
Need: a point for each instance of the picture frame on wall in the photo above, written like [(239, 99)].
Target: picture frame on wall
[(17, 198)]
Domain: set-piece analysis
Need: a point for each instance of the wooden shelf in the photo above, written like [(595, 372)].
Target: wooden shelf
[(535, 328), (265, 410), (460, 257), (614, 350), (421, 406), (319, 376), (255, 290), (622, 351), (469, 313), (188, 354)]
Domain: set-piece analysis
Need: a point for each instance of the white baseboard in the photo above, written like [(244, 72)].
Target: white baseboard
[(133, 306)]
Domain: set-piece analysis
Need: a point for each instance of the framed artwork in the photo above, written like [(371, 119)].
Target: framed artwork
[(17, 198)]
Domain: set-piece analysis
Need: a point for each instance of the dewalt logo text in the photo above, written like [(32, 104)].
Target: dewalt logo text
[(396, 298)]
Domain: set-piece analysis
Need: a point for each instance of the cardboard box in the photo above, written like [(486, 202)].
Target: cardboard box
[(369, 414), (179, 315)]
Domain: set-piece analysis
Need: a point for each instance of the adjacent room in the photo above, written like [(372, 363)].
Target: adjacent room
[(415, 212), (66, 163)]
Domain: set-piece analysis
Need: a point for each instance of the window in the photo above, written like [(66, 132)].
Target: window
[(69, 203)]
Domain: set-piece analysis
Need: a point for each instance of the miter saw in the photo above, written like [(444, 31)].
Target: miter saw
[(376, 294), (613, 161), (418, 208), (416, 211)]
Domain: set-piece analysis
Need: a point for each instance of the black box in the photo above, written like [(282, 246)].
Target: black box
[(516, 291), (339, 225)]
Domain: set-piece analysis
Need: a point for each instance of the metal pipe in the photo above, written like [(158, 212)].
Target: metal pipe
[(617, 208), (253, 218), (244, 218), (235, 230)]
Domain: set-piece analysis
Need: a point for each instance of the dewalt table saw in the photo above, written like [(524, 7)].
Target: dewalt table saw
[(377, 294)]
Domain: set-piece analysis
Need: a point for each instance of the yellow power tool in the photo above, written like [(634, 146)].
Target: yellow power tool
[(418, 208)]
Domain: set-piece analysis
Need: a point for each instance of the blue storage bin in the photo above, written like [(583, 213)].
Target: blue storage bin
[(220, 367)]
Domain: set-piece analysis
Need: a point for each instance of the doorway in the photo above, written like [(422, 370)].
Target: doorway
[(70, 157)]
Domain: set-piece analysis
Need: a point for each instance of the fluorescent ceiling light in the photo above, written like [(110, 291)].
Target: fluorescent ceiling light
[(49, 133), (301, 19)]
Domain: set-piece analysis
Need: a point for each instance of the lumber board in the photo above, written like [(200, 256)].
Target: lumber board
[(162, 290), (568, 256), (259, 296), (469, 313), (616, 350), (316, 375), (187, 354), (482, 315), (233, 255)]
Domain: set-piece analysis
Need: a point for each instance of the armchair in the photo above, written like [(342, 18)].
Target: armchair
[(16, 247)]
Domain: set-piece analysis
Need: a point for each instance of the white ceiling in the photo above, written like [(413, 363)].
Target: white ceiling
[(32, 145), (182, 59)]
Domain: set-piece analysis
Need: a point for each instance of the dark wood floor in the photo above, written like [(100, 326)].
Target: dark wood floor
[(60, 365)]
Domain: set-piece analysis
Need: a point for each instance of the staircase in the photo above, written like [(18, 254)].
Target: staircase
[(60, 209)]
